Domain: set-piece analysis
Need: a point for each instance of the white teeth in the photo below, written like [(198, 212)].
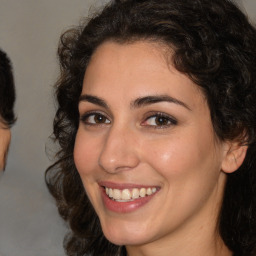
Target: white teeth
[(117, 194), (149, 191), (126, 195), (135, 193), (110, 193), (142, 192)]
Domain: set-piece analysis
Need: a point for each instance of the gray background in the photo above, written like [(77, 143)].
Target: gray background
[(29, 32)]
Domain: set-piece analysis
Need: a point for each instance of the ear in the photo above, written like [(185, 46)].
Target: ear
[(234, 156)]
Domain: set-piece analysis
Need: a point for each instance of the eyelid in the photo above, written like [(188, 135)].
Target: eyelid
[(87, 114), (173, 121)]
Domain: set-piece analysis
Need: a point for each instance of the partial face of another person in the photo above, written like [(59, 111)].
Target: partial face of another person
[(5, 137), (145, 149)]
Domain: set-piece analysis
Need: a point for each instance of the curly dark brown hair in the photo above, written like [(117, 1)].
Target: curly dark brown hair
[(215, 46)]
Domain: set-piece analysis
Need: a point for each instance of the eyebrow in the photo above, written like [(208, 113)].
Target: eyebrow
[(94, 100), (137, 103), (144, 101)]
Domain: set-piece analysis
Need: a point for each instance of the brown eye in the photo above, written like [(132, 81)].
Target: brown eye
[(159, 121), (99, 119), (95, 118)]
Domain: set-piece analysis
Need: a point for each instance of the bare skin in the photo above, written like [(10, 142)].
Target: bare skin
[(5, 138)]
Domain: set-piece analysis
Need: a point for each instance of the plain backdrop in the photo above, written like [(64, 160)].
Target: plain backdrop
[(29, 33)]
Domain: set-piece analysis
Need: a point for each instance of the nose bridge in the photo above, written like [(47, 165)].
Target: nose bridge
[(118, 152)]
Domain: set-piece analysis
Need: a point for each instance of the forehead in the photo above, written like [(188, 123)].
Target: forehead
[(124, 60), (134, 70)]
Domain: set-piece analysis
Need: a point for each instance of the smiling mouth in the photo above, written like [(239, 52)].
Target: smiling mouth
[(129, 195)]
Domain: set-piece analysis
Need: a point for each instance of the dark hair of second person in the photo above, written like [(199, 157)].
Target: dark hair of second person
[(7, 90), (7, 99)]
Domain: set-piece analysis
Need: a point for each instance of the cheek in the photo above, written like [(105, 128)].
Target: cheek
[(189, 174), (183, 157), (86, 153), (170, 154)]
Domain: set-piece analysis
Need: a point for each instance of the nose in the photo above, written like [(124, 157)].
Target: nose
[(119, 152)]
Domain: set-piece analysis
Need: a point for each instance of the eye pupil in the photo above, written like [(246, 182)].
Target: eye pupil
[(99, 119), (161, 121)]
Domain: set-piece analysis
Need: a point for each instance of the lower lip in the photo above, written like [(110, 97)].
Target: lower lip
[(124, 207)]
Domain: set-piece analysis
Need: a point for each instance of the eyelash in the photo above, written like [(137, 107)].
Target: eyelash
[(165, 118), (86, 116)]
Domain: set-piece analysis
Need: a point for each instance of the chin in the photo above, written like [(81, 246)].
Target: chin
[(123, 236), (125, 240)]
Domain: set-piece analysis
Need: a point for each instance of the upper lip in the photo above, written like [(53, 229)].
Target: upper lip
[(122, 186)]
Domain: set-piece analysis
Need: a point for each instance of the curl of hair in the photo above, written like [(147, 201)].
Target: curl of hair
[(7, 91), (215, 46)]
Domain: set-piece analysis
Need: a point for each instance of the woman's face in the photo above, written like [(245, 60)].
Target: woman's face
[(145, 148)]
